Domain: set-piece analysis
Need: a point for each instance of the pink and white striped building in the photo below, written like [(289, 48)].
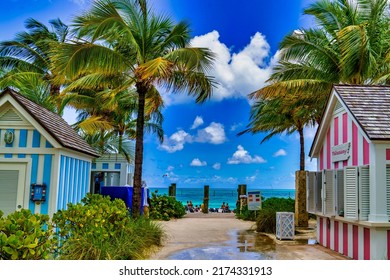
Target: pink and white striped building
[(350, 192)]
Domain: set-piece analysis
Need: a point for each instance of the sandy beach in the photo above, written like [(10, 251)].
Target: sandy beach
[(203, 230)]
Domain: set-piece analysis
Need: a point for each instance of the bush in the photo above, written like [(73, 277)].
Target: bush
[(99, 229), (266, 219), (25, 236), (163, 207)]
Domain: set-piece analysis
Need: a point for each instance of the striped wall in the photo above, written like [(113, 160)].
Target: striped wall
[(342, 130), (358, 242), (74, 180), (29, 143)]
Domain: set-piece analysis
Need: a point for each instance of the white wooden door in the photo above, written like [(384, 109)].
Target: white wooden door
[(12, 187)]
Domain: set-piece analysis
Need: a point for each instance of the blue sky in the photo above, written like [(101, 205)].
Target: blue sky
[(201, 145)]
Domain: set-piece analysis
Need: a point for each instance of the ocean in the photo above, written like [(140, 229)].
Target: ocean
[(220, 195)]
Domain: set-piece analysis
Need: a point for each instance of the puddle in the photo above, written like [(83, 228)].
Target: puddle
[(244, 245)]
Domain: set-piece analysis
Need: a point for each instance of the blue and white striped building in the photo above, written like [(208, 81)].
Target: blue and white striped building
[(39, 147)]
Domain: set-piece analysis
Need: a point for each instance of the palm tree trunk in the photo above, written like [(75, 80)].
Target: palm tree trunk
[(139, 150), (302, 150)]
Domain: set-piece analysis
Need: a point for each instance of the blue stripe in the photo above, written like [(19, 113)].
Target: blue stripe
[(48, 145), (79, 181), (34, 175), (87, 173), (21, 155), (74, 184), (8, 155), (36, 139), (46, 179), (70, 185), (23, 138), (60, 195), (66, 185)]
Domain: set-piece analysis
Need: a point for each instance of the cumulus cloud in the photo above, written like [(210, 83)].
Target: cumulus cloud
[(175, 142), (197, 122), (214, 134), (280, 153), (237, 73), (242, 156), (198, 162), (217, 166)]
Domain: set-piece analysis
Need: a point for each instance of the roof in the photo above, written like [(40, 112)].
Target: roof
[(370, 105), (55, 125)]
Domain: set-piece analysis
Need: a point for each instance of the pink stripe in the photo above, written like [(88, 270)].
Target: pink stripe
[(336, 137), (387, 154), (354, 144), (321, 232), (328, 149), (328, 232), (336, 236), (366, 243), (345, 239), (388, 244), (366, 152), (322, 159), (355, 242), (345, 128)]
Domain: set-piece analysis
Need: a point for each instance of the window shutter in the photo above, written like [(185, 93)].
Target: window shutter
[(339, 191), (318, 192), (329, 192), (310, 185), (351, 192), (364, 193)]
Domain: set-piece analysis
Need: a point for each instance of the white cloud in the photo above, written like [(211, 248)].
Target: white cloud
[(175, 142), (198, 162), (238, 73), (280, 153), (217, 166), (251, 178), (310, 164), (197, 122), (235, 126), (242, 156), (214, 134)]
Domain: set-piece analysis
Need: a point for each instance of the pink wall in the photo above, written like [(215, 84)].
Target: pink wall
[(354, 144), (336, 137), (328, 161), (366, 152)]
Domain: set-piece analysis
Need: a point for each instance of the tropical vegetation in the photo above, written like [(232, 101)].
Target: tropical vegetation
[(164, 207)]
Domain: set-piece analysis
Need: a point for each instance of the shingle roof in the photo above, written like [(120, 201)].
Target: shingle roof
[(56, 126), (370, 105)]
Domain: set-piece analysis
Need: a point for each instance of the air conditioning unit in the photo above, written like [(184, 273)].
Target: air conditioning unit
[(285, 225)]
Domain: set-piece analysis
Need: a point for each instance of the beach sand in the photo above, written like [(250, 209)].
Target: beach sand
[(203, 230)]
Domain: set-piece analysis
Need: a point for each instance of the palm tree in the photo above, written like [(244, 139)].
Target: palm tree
[(27, 64), (147, 50), (351, 45), (279, 115)]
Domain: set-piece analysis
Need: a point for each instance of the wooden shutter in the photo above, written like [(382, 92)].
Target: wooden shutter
[(318, 192), (328, 192), (339, 191), (351, 192), (364, 193), (310, 186), (8, 190)]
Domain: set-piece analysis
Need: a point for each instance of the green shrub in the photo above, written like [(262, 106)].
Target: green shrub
[(25, 236), (163, 207), (99, 229), (266, 218)]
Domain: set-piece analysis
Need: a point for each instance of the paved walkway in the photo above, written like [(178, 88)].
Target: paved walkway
[(216, 230)]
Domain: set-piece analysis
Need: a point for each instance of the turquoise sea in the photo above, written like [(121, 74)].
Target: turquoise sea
[(220, 195)]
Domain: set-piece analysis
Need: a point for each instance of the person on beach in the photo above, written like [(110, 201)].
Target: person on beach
[(223, 207)]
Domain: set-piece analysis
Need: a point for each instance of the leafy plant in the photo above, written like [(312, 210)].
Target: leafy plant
[(99, 228), (163, 207), (25, 236)]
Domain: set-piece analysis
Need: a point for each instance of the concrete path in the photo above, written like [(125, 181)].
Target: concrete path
[(219, 229)]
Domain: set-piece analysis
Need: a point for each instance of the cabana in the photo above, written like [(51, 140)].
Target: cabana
[(350, 192)]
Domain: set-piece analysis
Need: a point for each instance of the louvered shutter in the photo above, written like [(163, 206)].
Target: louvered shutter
[(318, 192), (351, 192), (388, 190), (364, 193), (329, 192), (8, 190), (310, 186), (339, 191)]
